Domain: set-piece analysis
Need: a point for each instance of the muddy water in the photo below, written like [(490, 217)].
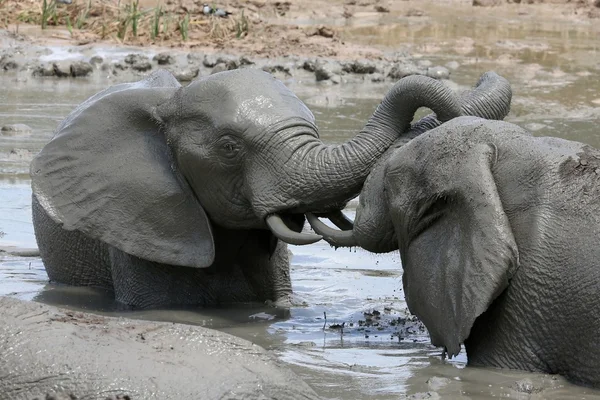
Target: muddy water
[(554, 69)]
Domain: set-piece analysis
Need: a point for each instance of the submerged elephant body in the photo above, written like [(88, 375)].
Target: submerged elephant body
[(498, 235), (173, 195)]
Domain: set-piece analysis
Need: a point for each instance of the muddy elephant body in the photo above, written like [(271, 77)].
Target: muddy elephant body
[(172, 195), (498, 234)]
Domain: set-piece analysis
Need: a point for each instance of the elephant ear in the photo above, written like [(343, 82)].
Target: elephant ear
[(457, 247), (107, 173)]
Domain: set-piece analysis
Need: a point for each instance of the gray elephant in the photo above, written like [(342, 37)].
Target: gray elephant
[(49, 353), (498, 234), (173, 195)]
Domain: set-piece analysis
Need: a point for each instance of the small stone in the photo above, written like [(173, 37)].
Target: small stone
[(377, 77), (187, 75), (597, 171), (438, 72), (424, 63), (194, 57), (15, 130), (164, 59), (435, 383), (142, 66), (135, 58), (335, 79), (219, 68), (382, 9), (7, 63), (20, 154), (96, 60), (246, 61), (399, 71), (327, 70), (415, 12), (81, 68), (44, 70), (309, 65), (209, 61), (62, 69), (272, 69), (360, 67)]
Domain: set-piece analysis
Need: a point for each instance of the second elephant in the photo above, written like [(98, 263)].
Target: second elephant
[(499, 234)]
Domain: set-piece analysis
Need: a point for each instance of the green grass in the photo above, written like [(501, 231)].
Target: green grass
[(184, 26), (155, 29), (242, 26), (48, 11)]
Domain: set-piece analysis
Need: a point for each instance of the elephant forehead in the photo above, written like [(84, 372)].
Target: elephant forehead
[(265, 110)]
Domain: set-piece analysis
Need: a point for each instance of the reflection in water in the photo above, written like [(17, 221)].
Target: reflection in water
[(379, 352)]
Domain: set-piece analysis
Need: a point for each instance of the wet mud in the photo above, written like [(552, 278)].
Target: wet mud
[(350, 335)]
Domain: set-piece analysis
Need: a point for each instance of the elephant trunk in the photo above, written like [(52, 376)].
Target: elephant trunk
[(373, 230), (330, 175)]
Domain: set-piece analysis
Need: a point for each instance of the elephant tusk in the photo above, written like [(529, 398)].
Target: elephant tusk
[(283, 232), (340, 220), (332, 236)]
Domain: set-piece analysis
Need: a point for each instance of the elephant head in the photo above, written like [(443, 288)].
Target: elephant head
[(372, 228), (147, 167)]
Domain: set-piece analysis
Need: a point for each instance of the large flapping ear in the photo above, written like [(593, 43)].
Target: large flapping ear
[(457, 247), (107, 173)]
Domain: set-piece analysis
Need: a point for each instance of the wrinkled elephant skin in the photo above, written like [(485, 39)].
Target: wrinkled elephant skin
[(172, 195), (499, 234)]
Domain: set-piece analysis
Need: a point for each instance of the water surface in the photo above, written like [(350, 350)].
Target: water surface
[(554, 70)]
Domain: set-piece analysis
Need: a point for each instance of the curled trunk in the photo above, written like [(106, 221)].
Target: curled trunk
[(373, 229)]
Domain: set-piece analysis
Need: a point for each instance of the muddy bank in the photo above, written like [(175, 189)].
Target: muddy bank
[(64, 354), (23, 59)]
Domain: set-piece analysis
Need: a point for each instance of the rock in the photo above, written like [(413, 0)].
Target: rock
[(327, 71), (360, 67), (377, 77), (422, 396), (424, 63), (142, 66), (164, 59), (44, 70), (382, 9), (187, 74), (7, 63), (335, 79), (209, 61), (62, 69), (310, 65), (321, 30), (246, 61), (96, 60), (120, 66), (438, 72), (401, 70), (272, 69), (194, 57), (487, 3), (15, 130), (81, 68), (230, 62), (135, 58), (219, 68)]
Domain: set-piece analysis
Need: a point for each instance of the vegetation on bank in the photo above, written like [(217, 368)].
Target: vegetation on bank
[(124, 20)]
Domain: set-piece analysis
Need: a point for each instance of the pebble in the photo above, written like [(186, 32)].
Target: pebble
[(16, 130)]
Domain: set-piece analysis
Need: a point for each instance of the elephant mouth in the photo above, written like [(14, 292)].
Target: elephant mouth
[(280, 224)]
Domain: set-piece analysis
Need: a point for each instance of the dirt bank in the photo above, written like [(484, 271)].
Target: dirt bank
[(262, 28)]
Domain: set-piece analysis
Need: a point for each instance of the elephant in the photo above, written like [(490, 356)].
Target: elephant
[(52, 353), (187, 195), (498, 236)]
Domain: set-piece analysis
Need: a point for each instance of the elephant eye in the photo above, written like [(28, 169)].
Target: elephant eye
[(228, 147)]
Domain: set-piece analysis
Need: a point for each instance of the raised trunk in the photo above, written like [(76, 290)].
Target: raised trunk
[(330, 175), (373, 229)]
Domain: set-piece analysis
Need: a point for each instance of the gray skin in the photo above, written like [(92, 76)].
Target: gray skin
[(111, 358), (498, 235), (172, 195)]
